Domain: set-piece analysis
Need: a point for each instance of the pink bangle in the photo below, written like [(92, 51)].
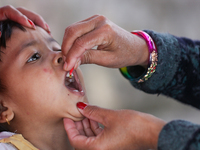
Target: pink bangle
[(153, 54)]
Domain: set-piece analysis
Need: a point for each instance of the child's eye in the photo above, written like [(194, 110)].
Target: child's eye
[(34, 57)]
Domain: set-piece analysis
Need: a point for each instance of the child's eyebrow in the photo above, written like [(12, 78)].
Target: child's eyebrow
[(34, 42), (51, 40)]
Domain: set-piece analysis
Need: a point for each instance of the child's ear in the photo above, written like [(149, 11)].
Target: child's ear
[(6, 113)]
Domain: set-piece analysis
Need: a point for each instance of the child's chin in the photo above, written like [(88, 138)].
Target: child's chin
[(78, 118)]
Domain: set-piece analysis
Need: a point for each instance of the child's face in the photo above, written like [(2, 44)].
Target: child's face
[(37, 87)]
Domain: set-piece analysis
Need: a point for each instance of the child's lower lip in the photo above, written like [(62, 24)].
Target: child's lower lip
[(76, 92)]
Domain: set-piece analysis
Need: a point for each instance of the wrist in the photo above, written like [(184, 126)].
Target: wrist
[(152, 58), (144, 61), (149, 46), (141, 51), (155, 130)]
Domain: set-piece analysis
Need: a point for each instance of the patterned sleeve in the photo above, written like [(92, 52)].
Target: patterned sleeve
[(178, 76), (178, 71)]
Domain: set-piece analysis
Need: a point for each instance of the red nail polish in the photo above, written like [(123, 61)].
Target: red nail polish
[(0, 34), (31, 23), (81, 105)]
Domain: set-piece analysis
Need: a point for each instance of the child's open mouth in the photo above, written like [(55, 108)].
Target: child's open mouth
[(73, 83)]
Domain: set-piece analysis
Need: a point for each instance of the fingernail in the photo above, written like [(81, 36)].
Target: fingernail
[(81, 105), (48, 28), (0, 34), (31, 23), (65, 66)]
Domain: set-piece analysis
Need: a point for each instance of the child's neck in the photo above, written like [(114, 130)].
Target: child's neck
[(52, 137)]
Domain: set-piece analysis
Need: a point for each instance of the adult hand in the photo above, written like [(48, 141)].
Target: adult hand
[(23, 16), (123, 129), (116, 47)]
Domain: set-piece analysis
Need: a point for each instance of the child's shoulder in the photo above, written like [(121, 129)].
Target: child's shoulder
[(5, 134), (12, 141), (6, 146)]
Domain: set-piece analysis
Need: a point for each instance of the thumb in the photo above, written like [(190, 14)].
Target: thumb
[(94, 113)]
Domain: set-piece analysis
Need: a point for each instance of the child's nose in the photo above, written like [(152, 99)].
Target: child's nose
[(58, 60)]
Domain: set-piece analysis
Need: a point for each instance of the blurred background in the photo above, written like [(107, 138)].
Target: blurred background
[(106, 87)]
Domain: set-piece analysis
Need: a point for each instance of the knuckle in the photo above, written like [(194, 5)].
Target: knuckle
[(70, 31), (4, 10), (79, 42), (87, 57), (101, 18), (9, 7), (67, 30), (107, 28)]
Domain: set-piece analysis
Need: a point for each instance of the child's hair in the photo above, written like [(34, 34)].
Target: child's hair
[(6, 28)]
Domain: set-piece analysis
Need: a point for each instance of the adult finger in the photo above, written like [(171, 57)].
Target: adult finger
[(95, 113), (87, 127), (83, 44), (9, 12), (76, 139), (80, 127), (95, 127), (70, 127), (37, 19), (76, 30)]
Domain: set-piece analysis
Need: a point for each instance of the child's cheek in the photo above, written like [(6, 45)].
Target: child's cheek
[(46, 70), (47, 74)]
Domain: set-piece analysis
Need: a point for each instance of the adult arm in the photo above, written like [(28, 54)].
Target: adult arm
[(177, 76), (118, 48), (179, 135), (123, 129), (178, 58), (178, 69)]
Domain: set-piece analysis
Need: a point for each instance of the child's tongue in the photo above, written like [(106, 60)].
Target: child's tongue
[(72, 82)]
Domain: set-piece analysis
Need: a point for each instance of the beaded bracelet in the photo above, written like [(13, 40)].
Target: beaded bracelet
[(152, 57)]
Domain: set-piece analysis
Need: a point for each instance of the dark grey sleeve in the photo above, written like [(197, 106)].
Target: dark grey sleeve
[(179, 135), (178, 71), (178, 76)]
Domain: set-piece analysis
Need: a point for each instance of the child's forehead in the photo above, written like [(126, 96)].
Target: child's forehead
[(20, 37)]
